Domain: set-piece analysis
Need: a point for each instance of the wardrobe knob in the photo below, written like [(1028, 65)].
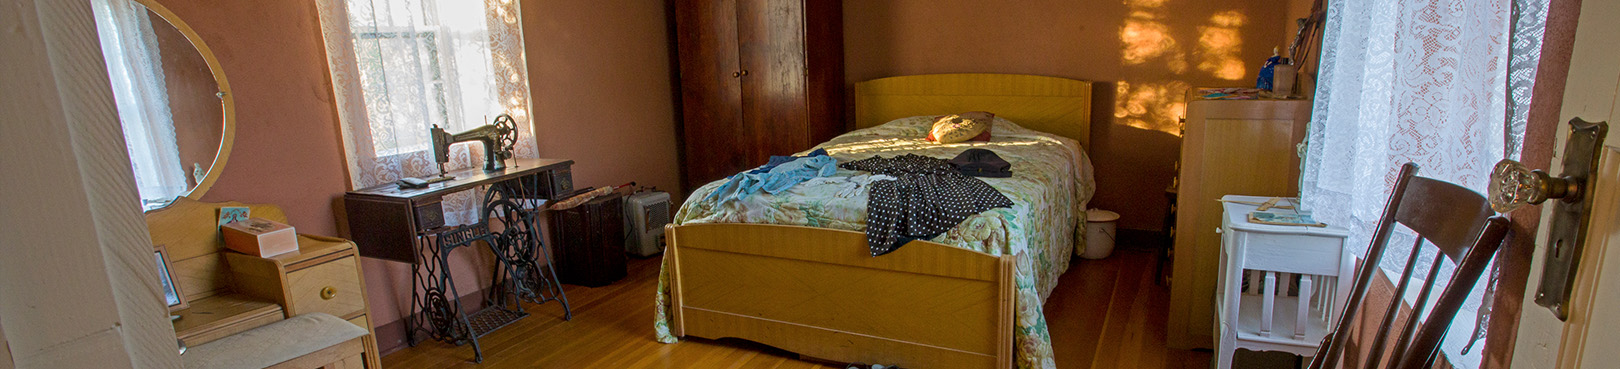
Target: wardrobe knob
[(736, 74), (745, 72)]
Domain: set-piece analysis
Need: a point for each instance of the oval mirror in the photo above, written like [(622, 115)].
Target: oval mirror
[(173, 101)]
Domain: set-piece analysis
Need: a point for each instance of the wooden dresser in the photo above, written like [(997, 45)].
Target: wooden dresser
[(322, 277), (230, 292), (758, 78), (1229, 147)]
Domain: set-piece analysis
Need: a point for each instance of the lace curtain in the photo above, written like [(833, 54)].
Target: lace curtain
[(399, 67), (135, 68), (1423, 82)]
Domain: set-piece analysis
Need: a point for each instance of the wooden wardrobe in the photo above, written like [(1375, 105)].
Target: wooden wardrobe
[(758, 78)]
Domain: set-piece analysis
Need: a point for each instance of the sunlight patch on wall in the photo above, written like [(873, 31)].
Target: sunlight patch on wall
[(1144, 38), (1219, 45), (1155, 106)]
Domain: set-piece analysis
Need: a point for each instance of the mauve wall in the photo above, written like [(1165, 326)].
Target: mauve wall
[(1141, 54)]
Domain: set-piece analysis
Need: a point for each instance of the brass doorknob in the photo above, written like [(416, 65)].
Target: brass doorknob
[(1513, 186), (328, 293)]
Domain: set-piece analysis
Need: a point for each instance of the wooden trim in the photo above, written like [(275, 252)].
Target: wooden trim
[(926, 305), (1054, 105), (227, 98)]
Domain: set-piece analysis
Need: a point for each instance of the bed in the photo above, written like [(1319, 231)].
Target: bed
[(793, 270)]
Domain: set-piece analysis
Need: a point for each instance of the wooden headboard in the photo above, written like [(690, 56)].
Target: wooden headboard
[(1055, 105)]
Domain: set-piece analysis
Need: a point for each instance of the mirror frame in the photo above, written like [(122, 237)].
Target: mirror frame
[(227, 99)]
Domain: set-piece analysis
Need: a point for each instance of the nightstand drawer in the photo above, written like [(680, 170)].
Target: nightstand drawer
[(332, 287), (1290, 253)]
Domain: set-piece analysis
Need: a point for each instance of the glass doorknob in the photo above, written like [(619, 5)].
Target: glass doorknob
[(1513, 186)]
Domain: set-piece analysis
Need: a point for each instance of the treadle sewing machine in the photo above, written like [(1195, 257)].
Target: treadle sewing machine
[(498, 139), (407, 224)]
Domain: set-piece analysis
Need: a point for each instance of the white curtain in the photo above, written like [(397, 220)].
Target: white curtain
[(1423, 82), (135, 68), (399, 67)]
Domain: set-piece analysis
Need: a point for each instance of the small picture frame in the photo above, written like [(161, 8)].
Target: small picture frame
[(232, 214), (171, 290)]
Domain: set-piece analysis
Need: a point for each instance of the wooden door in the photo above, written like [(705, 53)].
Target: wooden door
[(711, 91), (771, 44)]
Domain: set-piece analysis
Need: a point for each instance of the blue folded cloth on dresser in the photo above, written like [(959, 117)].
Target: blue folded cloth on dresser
[(779, 174)]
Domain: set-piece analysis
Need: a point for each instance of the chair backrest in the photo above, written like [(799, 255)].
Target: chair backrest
[(1461, 225)]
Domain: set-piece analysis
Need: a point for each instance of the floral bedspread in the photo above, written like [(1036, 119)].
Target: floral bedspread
[(1051, 183)]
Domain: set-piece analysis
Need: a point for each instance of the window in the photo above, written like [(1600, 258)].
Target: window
[(400, 67), (1421, 82)]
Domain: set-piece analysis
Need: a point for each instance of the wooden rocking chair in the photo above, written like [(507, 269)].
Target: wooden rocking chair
[(1457, 221)]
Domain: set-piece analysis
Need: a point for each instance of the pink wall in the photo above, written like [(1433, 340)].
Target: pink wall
[(600, 76), (287, 150), (1141, 54)]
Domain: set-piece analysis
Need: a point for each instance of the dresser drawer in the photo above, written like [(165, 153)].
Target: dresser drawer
[(332, 287)]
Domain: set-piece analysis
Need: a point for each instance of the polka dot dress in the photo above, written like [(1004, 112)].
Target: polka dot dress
[(927, 198)]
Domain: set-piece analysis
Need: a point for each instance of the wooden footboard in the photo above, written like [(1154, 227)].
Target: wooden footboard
[(819, 293)]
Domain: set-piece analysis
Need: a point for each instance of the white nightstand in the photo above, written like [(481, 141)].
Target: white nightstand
[(1264, 317)]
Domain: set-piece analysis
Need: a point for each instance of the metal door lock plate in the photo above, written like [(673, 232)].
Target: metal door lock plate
[(1513, 185)]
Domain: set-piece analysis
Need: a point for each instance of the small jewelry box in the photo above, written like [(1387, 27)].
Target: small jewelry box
[(260, 237)]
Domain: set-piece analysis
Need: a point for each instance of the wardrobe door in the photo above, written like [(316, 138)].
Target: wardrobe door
[(770, 38), (710, 91)]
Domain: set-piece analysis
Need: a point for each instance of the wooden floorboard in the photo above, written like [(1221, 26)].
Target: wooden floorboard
[(1104, 314)]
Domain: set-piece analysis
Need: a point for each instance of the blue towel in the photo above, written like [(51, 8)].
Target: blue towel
[(780, 174)]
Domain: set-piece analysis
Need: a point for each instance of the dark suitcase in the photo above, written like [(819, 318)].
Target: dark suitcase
[(589, 241)]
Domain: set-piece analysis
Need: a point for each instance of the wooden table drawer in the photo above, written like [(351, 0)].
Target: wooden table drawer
[(332, 287)]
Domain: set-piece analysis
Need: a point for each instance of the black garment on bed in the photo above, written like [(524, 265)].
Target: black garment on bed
[(981, 163), (927, 197)]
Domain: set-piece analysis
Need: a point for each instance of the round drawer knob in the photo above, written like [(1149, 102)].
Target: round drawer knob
[(328, 293)]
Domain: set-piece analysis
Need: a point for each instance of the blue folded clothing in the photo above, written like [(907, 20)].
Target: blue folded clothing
[(780, 174)]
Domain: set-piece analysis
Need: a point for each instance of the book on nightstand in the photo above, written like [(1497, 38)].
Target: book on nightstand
[(1288, 218)]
